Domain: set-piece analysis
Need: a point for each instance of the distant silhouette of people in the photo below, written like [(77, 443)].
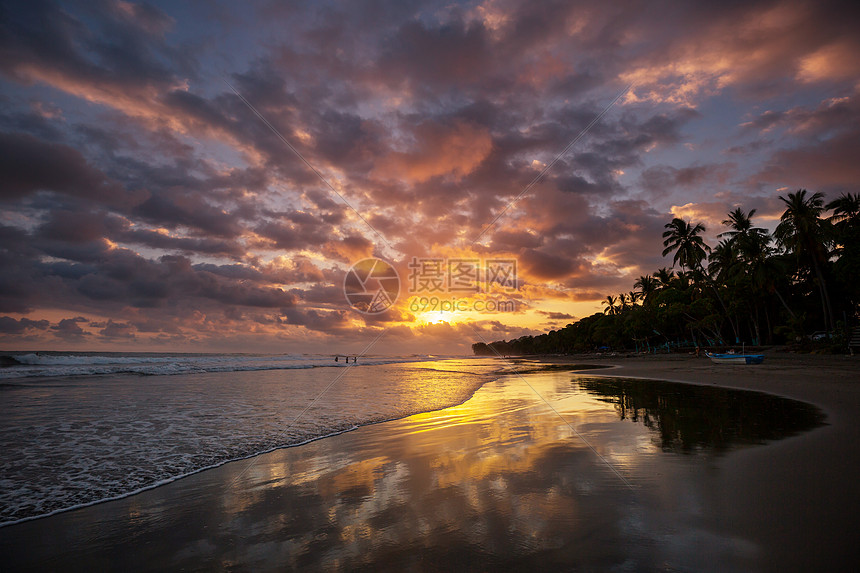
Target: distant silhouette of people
[(335, 358)]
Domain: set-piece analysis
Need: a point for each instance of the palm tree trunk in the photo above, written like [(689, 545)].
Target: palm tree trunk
[(719, 298), (757, 332), (767, 321), (825, 298), (782, 300)]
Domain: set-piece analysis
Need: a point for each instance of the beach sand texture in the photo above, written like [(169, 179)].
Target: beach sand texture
[(504, 481)]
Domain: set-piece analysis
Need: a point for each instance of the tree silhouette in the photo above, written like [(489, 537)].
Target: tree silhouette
[(611, 303), (686, 241), (765, 284), (802, 232)]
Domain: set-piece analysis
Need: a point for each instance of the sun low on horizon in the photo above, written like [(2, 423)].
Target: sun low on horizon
[(508, 163)]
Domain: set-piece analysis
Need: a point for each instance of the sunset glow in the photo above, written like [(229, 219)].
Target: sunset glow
[(165, 192)]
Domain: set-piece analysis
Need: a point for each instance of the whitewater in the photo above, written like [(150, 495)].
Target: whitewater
[(41, 364), (81, 428)]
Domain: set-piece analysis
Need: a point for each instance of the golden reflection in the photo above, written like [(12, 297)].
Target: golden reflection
[(497, 482), (360, 474), (500, 474)]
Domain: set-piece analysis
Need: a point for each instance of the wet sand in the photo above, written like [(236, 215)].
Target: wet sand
[(799, 495), (503, 481)]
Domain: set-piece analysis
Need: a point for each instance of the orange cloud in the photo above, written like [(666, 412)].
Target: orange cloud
[(834, 61), (711, 214), (439, 150), (761, 46)]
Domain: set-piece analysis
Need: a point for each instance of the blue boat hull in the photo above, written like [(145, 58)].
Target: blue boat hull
[(736, 358)]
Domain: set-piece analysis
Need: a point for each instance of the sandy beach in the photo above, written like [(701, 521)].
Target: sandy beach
[(800, 494), (504, 481)]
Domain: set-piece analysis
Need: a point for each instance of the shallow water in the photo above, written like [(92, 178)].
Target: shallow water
[(74, 440), (614, 475)]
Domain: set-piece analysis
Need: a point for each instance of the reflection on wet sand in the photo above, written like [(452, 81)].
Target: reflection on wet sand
[(497, 482), (689, 418)]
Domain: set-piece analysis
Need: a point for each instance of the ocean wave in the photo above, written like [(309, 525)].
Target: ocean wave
[(83, 441), (31, 365)]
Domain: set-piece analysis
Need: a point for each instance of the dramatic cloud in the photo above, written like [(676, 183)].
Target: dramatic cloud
[(31, 165), (201, 178)]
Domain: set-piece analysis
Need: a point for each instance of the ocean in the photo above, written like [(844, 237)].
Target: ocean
[(81, 428)]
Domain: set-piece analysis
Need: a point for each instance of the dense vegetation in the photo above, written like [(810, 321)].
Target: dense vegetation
[(753, 287)]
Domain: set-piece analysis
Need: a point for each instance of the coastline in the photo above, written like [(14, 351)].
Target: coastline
[(798, 488), (819, 467), (438, 403), (823, 380)]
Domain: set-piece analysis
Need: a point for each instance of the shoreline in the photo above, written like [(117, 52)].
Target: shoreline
[(490, 377), (781, 490), (167, 481), (811, 378)]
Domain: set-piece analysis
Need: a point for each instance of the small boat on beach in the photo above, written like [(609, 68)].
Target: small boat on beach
[(736, 358)]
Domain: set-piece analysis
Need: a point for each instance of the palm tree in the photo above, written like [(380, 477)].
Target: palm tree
[(742, 234), (690, 250), (647, 285), (846, 208), (845, 222), (611, 304), (738, 221), (743, 259), (633, 296), (685, 239), (664, 277), (765, 270), (802, 231), (627, 300), (723, 260)]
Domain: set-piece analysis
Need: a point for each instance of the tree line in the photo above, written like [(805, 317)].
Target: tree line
[(753, 287)]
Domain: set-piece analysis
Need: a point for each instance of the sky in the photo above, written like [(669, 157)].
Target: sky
[(202, 176)]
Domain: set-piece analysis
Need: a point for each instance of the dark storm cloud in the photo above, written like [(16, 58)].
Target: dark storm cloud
[(556, 315), (117, 330), (830, 132), (126, 52), (545, 266), (203, 245), (9, 325), (662, 179), (29, 165), (288, 236), (190, 210), (79, 226), (112, 276), (829, 165), (315, 320), (120, 134), (505, 240), (236, 271), (454, 53), (20, 284), (68, 329), (319, 294)]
